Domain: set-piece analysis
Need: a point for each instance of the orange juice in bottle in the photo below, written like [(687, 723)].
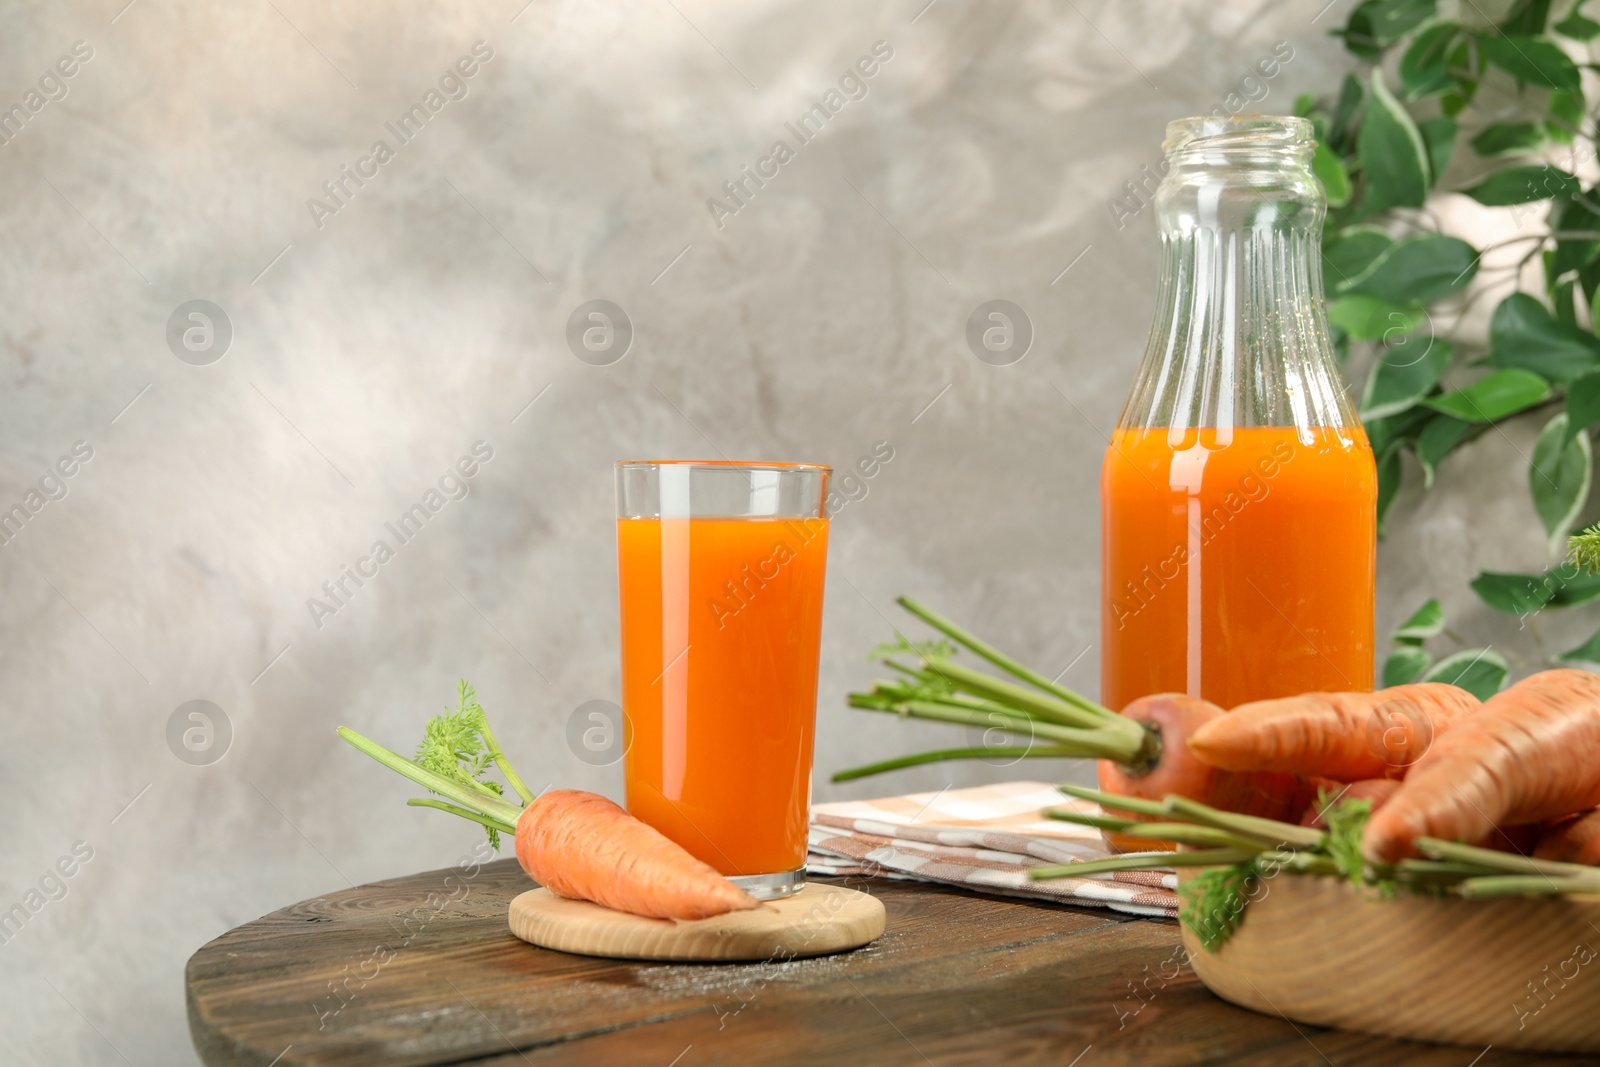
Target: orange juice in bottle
[(1238, 492)]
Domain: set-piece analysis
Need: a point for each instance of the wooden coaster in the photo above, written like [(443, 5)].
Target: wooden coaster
[(816, 921)]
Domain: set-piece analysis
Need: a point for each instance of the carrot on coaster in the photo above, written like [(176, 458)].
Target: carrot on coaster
[(582, 845), (1531, 753), (575, 844), (1347, 736), (1574, 840)]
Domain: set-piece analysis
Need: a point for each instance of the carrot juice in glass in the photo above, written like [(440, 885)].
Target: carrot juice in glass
[(1238, 492), (720, 572)]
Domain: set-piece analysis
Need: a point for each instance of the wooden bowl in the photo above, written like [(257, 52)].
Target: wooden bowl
[(1514, 972)]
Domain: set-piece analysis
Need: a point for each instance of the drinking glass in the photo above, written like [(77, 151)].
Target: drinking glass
[(720, 573)]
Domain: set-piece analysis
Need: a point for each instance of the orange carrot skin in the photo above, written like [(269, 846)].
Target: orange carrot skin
[(1347, 736), (1575, 840), (1176, 717), (1377, 790), (1531, 753), (583, 846)]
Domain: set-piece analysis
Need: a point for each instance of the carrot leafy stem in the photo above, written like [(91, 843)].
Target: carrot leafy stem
[(1238, 852), (457, 751), (1583, 548)]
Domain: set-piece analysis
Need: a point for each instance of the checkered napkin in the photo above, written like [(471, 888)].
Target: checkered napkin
[(984, 838)]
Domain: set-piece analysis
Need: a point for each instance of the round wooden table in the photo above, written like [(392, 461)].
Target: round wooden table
[(422, 970)]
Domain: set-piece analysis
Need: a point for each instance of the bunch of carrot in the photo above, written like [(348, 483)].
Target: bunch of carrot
[(1519, 770), (1238, 849), (575, 844), (1522, 767)]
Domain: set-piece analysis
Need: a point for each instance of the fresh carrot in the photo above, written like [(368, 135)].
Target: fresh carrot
[(1531, 753), (582, 845), (1172, 718), (1347, 736), (1143, 750), (575, 844), (1377, 790), (1574, 840)]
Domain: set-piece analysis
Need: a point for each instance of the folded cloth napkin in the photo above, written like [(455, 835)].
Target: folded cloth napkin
[(983, 838)]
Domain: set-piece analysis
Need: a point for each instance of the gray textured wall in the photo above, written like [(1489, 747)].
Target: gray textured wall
[(371, 351)]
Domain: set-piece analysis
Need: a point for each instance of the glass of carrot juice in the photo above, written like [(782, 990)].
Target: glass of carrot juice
[(720, 573)]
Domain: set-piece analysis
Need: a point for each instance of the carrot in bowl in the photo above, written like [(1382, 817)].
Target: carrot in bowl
[(1347, 736), (1531, 753), (1376, 790), (1574, 840), (575, 844)]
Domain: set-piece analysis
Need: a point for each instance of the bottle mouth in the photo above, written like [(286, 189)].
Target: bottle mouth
[(1239, 138)]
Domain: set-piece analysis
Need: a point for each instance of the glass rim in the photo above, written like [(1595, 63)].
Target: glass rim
[(721, 464), (1239, 132)]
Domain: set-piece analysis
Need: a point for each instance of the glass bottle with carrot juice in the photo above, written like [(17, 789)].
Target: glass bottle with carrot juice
[(1238, 492)]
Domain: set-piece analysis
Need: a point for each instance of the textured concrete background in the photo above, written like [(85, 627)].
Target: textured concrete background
[(370, 352)]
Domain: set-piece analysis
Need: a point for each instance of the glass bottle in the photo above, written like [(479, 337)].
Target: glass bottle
[(1238, 493)]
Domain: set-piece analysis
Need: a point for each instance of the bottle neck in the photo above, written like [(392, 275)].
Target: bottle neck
[(1240, 336), (1240, 333)]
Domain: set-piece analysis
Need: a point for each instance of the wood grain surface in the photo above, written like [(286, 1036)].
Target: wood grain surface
[(1518, 972), (423, 970), (818, 920)]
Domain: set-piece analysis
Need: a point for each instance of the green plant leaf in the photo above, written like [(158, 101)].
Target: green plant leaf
[(1349, 255), (1583, 404), (1575, 253), (1427, 621), (1566, 112), (1418, 270), (1388, 433), (1405, 664), (1563, 586), (1424, 69), (1390, 475), (1534, 60), (1404, 375), (1441, 436), (1439, 134), (1455, 100), (1526, 17), (1377, 24), (1571, 586), (1562, 297), (1558, 478), (1509, 139), (1491, 398), (1392, 152), (1367, 318), (1330, 171), (1480, 671), (1350, 96), (1523, 334), (1588, 652), (1578, 27), (1513, 593), (1522, 185)]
